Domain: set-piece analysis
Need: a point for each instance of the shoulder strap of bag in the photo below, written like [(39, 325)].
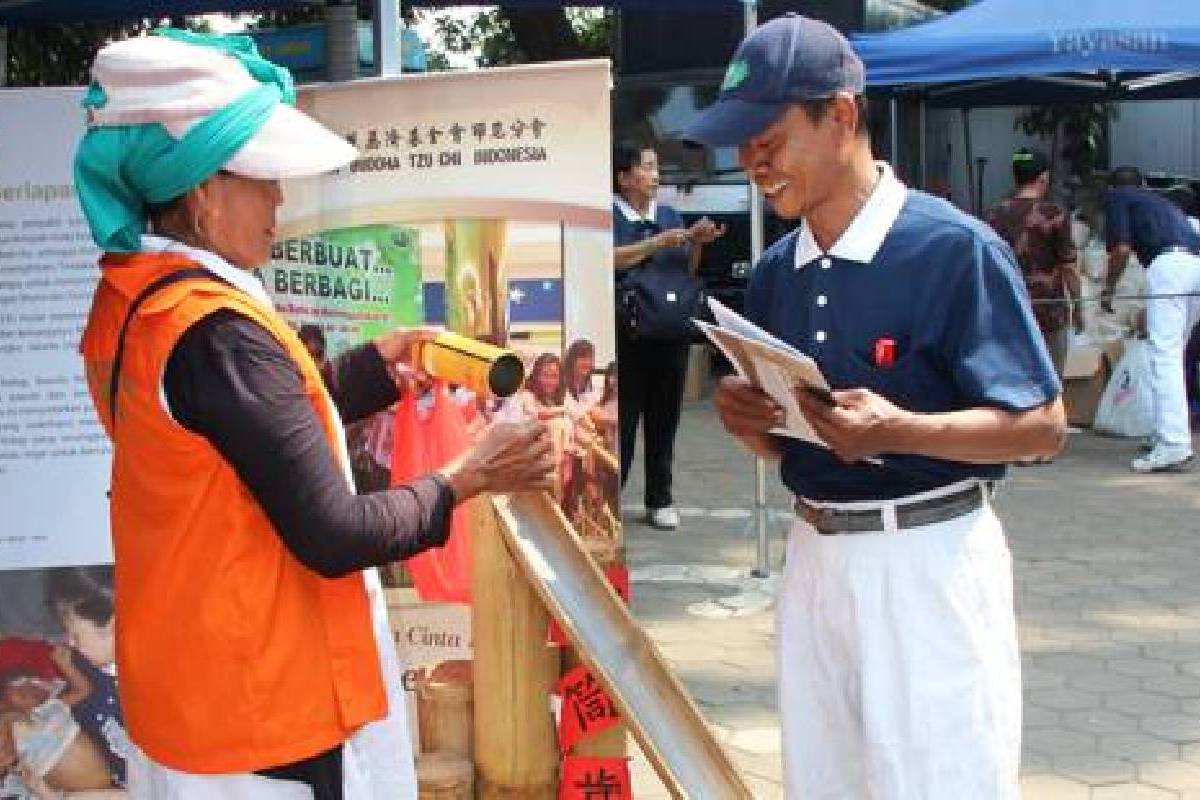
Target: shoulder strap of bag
[(188, 273)]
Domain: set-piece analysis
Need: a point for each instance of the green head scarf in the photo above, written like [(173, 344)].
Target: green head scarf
[(121, 169)]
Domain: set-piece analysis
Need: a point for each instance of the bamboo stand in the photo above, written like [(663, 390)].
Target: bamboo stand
[(444, 776), (516, 750)]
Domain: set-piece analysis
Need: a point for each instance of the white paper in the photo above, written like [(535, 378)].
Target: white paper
[(770, 364), (775, 370)]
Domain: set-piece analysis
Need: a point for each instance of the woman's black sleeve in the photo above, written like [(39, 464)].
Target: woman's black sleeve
[(229, 380)]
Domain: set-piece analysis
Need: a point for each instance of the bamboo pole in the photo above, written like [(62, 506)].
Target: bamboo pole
[(516, 749)]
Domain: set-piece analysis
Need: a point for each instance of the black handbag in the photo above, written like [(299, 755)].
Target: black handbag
[(658, 299)]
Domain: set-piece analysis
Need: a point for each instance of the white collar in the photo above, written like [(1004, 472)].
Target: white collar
[(862, 238), (631, 214), (248, 282)]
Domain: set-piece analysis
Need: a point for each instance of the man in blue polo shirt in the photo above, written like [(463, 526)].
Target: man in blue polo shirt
[(1139, 221), (899, 672)]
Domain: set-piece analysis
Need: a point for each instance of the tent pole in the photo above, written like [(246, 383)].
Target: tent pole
[(924, 156), (894, 131), (385, 28), (762, 566), (341, 50), (966, 119)]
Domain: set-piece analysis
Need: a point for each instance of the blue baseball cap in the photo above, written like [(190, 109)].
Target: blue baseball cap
[(788, 59)]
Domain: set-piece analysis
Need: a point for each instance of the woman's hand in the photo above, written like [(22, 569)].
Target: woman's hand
[(674, 237), (704, 230), (400, 346), (510, 457)]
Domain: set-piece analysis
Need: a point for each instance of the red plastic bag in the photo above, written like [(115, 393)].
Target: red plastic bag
[(422, 443)]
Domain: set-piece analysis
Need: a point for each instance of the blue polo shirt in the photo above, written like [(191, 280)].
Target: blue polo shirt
[(630, 227), (945, 288), (1146, 222)]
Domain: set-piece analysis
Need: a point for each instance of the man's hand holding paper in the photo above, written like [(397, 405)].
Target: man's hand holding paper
[(859, 425), (768, 365), (749, 413)]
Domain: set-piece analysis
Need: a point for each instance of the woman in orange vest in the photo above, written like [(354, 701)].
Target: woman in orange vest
[(253, 656)]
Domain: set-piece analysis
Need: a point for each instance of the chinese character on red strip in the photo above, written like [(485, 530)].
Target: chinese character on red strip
[(618, 576), (589, 778), (586, 708)]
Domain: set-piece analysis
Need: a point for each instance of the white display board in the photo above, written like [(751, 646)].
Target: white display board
[(54, 456)]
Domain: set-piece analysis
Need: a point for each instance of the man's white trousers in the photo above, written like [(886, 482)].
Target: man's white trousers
[(899, 673), (1169, 321)]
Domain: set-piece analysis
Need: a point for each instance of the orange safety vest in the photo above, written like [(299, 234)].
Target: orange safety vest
[(232, 655)]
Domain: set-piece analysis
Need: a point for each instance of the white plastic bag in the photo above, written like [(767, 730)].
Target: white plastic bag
[(1127, 405)]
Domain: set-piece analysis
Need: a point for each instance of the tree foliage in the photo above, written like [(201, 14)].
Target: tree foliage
[(1077, 133), (948, 5), (509, 35), (61, 55)]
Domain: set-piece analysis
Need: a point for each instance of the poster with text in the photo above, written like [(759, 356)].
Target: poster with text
[(54, 456)]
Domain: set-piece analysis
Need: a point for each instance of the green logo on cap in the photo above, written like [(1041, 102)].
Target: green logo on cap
[(735, 76)]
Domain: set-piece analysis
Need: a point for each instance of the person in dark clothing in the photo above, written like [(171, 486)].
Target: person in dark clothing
[(1139, 221), (651, 372), (899, 665)]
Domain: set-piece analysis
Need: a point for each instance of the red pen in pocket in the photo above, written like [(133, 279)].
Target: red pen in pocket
[(885, 353)]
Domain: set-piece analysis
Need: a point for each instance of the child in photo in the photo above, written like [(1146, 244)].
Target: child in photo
[(40, 738), (82, 599)]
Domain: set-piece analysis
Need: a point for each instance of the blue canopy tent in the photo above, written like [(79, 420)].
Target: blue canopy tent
[(1028, 52), (998, 51)]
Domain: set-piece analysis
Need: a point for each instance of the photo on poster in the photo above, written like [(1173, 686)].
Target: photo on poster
[(495, 280), (61, 728)]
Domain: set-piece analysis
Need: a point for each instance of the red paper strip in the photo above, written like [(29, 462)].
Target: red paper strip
[(618, 576), (591, 778), (586, 708)]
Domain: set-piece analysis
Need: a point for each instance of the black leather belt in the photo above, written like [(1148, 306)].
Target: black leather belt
[(831, 521), (1177, 248)]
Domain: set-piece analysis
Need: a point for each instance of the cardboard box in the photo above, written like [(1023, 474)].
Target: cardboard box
[(1085, 374)]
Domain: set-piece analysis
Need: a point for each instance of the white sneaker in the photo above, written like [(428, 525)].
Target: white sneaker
[(1163, 459), (1147, 444), (666, 519)]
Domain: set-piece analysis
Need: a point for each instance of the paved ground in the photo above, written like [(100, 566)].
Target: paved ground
[(1108, 599)]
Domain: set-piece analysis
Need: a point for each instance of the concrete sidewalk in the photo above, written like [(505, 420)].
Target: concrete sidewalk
[(1107, 568)]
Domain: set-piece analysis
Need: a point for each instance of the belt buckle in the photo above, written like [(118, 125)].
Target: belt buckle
[(819, 518), (824, 521)]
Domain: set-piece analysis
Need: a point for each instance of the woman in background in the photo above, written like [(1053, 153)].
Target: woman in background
[(651, 371)]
